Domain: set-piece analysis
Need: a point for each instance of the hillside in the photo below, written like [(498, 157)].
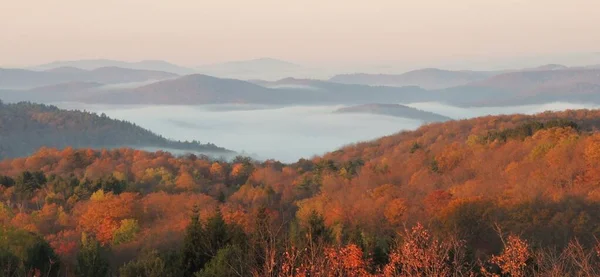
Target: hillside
[(27, 79), (428, 78), (395, 110), (469, 189), (25, 127)]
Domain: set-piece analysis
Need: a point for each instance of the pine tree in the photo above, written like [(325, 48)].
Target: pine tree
[(194, 256), (92, 259), (316, 231), (216, 234)]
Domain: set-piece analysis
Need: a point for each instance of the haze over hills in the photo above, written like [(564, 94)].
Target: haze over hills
[(262, 68), (547, 67), (396, 110), (428, 78), (550, 82), (536, 86), (25, 127), (25, 79), (155, 65), (202, 89), (190, 89)]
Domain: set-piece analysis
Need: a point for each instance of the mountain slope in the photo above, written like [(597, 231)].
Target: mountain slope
[(25, 127), (395, 110)]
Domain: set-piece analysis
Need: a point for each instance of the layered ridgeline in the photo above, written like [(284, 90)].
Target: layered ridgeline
[(428, 78), (533, 180), (528, 86), (25, 127), (396, 110), (538, 85), (198, 89)]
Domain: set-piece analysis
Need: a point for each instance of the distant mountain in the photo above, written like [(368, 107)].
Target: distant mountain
[(25, 127), (539, 86), (331, 92), (395, 110), (70, 91), (191, 89), (428, 78), (263, 68), (529, 80), (203, 89), (547, 67), (23, 79), (155, 65), (66, 87)]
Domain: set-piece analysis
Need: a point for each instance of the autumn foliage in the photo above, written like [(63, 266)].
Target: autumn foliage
[(423, 203)]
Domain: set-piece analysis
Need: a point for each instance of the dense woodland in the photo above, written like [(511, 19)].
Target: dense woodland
[(492, 196), (25, 127)]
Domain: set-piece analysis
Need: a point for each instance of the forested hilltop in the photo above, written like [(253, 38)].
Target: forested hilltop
[(492, 196), (25, 127)]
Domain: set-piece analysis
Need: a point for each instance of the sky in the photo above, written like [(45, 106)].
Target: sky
[(317, 32)]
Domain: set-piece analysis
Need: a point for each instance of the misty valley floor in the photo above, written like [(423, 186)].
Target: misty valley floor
[(285, 133)]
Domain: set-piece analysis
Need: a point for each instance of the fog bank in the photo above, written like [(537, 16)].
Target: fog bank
[(284, 133)]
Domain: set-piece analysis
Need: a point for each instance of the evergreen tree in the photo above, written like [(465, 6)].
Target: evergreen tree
[(316, 230), (151, 264), (229, 262), (92, 259), (28, 182), (194, 256), (216, 233)]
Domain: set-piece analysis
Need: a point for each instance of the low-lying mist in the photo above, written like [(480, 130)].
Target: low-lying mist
[(284, 133)]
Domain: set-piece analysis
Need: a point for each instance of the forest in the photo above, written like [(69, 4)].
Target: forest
[(513, 195), (25, 127)]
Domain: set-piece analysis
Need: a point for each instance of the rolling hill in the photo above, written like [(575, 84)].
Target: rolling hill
[(25, 127)]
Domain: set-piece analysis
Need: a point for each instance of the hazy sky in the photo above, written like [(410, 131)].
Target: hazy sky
[(193, 32)]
